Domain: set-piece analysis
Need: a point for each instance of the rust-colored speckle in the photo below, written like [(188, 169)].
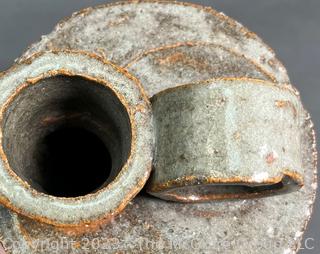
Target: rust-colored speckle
[(182, 58), (171, 59), (140, 108), (270, 158), (237, 135), (272, 63), (122, 19), (281, 104), (77, 245), (288, 104)]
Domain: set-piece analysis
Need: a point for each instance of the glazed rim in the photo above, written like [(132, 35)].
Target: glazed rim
[(107, 202), (195, 188), (231, 22)]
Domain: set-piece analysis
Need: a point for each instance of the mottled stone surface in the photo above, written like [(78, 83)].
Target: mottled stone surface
[(183, 63), (122, 31)]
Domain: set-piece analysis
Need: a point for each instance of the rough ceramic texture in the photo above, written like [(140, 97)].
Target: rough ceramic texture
[(106, 203), (218, 132), (149, 225), (173, 65), (184, 63), (122, 31)]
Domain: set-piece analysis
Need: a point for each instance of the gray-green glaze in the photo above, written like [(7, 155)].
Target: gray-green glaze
[(110, 200), (242, 129), (150, 225)]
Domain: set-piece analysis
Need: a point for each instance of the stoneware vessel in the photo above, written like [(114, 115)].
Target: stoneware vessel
[(170, 46)]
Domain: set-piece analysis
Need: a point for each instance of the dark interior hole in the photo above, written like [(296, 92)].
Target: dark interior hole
[(66, 136), (74, 162)]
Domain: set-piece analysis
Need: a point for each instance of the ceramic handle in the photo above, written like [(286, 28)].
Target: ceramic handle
[(226, 139)]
